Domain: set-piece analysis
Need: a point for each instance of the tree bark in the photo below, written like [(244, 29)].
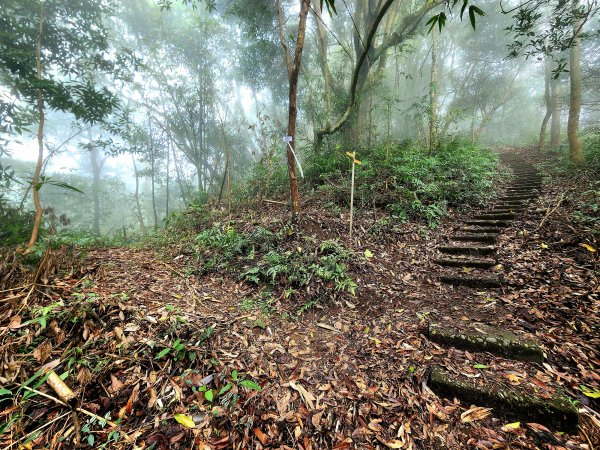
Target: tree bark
[(40, 138), (293, 72), (137, 196), (153, 175), (168, 176), (406, 30), (548, 103), (96, 168), (322, 41), (556, 92), (432, 96), (575, 98)]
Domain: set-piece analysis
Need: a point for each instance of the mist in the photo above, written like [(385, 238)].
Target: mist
[(201, 102)]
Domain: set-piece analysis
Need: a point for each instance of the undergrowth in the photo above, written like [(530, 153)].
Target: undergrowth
[(408, 180), (285, 262), (585, 201)]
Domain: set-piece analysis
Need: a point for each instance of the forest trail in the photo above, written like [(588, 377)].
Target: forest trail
[(358, 371)]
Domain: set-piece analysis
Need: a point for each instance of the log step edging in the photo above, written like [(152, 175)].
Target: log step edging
[(495, 216), (474, 281), (487, 238), (463, 262), (518, 197), (487, 223), (488, 230), (558, 412), (497, 342), (468, 250)]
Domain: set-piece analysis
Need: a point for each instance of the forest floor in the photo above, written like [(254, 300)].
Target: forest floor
[(347, 373)]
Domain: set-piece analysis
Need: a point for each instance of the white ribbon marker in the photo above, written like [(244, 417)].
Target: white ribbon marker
[(289, 139)]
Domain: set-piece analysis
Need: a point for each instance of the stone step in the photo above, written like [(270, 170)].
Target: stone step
[(468, 250), (504, 209), (487, 339), (476, 263), (526, 181), (495, 216), (481, 237), (518, 197), (557, 412), (524, 186), (488, 230), (474, 281), (486, 223), (521, 189), (512, 204)]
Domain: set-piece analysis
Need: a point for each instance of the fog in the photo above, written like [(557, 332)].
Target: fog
[(193, 102)]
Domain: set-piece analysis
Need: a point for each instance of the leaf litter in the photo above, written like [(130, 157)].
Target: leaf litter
[(159, 358)]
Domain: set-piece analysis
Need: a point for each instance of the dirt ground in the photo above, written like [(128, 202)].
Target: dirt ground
[(348, 373)]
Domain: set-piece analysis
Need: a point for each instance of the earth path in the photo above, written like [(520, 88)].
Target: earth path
[(354, 373)]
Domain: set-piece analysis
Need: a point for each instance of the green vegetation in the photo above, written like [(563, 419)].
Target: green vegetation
[(283, 262), (407, 180)]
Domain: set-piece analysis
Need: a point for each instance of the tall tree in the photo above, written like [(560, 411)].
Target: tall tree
[(575, 80), (293, 70), (47, 47)]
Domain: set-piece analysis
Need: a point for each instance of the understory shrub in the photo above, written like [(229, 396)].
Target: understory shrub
[(408, 180), (282, 262)]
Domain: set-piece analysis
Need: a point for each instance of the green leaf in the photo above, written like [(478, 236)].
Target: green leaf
[(5, 392), (184, 420), (472, 11), (480, 366), (432, 22), (464, 6), (368, 253), (592, 393), (209, 395), (163, 353), (234, 375), (252, 385), (224, 389), (90, 440)]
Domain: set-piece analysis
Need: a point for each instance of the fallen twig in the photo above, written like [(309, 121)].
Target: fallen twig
[(551, 211), (78, 409)]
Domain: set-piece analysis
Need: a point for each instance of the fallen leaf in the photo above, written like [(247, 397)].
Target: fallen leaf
[(262, 437), (511, 426), (185, 420), (588, 248), (475, 413)]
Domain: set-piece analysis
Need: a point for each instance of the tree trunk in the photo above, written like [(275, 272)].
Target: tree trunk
[(184, 196), (40, 137), (432, 96), (168, 177), (293, 71), (322, 41), (137, 196), (548, 103), (556, 90), (153, 176), (96, 168), (575, 100)]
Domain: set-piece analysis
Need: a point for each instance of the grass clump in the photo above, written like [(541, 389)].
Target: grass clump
[(408, 180), (284, 263)]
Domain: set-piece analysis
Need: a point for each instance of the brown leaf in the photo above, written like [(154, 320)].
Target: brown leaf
[(15, 322), (262, 437), (43, 352), (115, 384), (84, 376), (475, 413)]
